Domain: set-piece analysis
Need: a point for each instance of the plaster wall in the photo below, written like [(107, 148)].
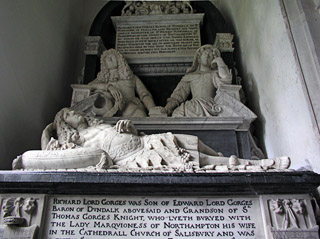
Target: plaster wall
[(273, 80), (90, 11), (39, 47)]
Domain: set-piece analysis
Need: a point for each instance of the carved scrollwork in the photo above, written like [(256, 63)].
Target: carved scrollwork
[(160, 69), (140, 8)]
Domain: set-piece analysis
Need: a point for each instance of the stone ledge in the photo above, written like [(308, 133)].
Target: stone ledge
[(205, 184), (181, 123)]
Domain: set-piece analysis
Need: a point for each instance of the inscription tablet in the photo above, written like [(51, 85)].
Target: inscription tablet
[(153, 217), (158, 38)]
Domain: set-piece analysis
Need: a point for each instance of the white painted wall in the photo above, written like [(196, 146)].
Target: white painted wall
[(273, 81), (39, 47)]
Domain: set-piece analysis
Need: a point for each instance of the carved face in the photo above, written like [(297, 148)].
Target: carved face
[(111, 62), (73, 119), (206, 57)]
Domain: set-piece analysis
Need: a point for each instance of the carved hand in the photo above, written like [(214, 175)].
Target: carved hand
[(170, 106), (126, 126), (219, 61), (116, 94)]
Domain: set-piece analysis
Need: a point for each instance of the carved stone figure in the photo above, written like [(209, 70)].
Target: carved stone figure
[(83, 141), (207, 73), (117, 87)]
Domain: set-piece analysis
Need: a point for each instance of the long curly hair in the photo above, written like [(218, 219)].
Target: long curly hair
[(196, 59), (65, 133), (124, 70)]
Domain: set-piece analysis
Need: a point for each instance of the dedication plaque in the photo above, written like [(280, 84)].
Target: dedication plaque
[(153, 217)]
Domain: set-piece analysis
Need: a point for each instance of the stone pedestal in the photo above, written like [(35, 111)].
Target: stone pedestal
[(161, 205)]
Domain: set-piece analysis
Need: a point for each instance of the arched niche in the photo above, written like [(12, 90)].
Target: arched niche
[(160, 86)]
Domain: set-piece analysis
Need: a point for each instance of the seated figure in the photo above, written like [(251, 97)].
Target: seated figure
[(207, 73), (82, 141), (116, 82)]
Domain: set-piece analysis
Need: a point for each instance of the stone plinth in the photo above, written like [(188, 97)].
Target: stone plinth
[(163, 205)]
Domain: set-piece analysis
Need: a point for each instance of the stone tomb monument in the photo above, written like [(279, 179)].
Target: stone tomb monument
[(93, 180), (161, 72)]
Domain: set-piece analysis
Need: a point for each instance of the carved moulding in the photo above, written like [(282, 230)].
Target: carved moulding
[(160, 69), (21, 216), (288, 216)]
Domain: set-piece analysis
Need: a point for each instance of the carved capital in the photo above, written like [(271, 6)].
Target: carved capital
[(224, 42), (94, 45)]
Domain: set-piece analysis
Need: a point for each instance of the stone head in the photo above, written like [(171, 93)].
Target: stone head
[(73, 118), (204, 56), (113, 60)]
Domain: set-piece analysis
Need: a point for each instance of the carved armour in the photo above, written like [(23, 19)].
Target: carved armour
[(130, 145)]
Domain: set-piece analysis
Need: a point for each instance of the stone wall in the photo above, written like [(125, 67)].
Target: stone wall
[(274, 80)]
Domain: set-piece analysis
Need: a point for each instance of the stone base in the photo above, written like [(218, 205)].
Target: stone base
[(162, 205)]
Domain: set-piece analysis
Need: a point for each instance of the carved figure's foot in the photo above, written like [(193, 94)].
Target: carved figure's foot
[(208, 167), (276, 163), (233, 161), (17, 163)]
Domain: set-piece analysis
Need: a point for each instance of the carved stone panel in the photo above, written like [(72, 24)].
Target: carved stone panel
[(20, 216), (289, 217)]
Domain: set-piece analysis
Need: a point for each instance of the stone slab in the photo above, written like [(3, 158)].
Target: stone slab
[(200, 184), (181, 123)]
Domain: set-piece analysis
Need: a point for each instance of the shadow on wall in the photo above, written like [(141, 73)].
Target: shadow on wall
[(250, 89), (45, 86), (258, 126)]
